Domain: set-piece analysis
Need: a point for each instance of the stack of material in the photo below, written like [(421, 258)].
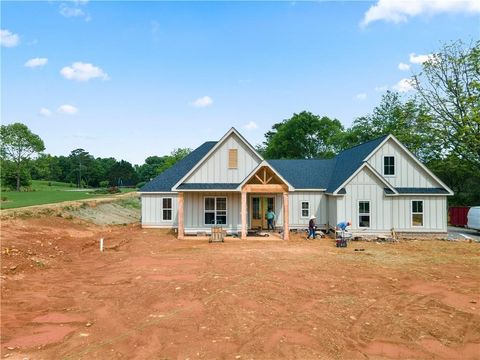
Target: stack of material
[(217, 234)]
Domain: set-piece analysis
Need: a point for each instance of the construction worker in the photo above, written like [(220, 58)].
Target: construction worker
[(312, 227)]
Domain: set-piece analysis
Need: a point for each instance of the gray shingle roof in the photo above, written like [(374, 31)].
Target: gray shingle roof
[(168, 178), (305, 174), (412, 190), (348, 161), (207, 186), (301, 174)]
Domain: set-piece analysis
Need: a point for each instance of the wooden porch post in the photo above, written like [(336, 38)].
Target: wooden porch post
[(181, 223), (244, 215), (286, 229)]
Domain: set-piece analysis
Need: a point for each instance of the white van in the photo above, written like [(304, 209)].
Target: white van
[(473, 218)]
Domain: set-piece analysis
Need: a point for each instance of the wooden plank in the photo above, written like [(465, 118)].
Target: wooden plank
[(265, 188), (181, 223), (244, 215), (259, 179), (269, 179), (286, 228), (232, 158)]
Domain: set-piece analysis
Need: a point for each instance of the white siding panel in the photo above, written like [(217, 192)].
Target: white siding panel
[(194, 210), (318, 207), (434, 213), (365, 186), (152, 210), (407, 172), (215, 168)]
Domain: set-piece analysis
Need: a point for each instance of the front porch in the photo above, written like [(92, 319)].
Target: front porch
[(239, 211)]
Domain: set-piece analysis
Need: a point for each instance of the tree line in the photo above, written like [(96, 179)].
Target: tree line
[(79, 168), (439, 123)]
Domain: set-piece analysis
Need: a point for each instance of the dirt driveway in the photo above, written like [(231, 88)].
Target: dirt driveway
[(152, 296)]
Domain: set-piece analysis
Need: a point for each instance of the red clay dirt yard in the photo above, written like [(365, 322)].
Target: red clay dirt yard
[(149, 295)]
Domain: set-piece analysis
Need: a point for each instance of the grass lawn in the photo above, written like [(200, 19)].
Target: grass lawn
[(45, 194)]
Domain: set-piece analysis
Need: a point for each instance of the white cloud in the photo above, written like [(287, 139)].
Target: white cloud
[(252, 125), (45, 112), (381, 88), (74, 9), (204, 101), (361, 96), (404, 67), (67, 109), (36, 62), (420, 59), (79, 71), (398, 11), (8, 39), (403, 85)]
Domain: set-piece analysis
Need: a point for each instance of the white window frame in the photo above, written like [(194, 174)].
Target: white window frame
[(215, 209), (171, 209), (394, 166), (369, 214), (301, 209), (423, 213)]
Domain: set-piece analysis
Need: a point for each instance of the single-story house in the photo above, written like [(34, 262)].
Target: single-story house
[(379, 186)]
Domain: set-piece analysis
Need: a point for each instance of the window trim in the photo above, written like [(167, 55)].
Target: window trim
[(423, 214), (394, 166), (301, 209), (171, 208), (365, 214), (215, 209), (236, 159)]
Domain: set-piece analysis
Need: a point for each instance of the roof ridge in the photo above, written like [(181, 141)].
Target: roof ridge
[(369, 141)]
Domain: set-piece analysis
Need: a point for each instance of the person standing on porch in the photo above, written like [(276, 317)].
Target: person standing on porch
[(270, 215), (312, 227)]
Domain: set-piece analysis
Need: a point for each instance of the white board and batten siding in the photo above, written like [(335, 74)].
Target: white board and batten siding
[(317, 204), (152, 210), (194, 211), (407, 172), (434, 213), (215, 168), (387, 212), (365, 186)]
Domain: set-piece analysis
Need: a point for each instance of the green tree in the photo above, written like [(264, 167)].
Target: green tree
[(303, 136), (19, 144), (122, 174), (407, 120), (449, 84), (81, 166), (170, 160)]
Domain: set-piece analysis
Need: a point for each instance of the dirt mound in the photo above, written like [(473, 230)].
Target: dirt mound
[(119, 212)]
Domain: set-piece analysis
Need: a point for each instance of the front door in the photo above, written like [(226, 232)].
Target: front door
[(260, 206)]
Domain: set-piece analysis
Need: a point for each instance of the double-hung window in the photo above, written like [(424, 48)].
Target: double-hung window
[(167, 209), (417, 212), (215, 210), (305, 209), (389, 165), (364, 214)]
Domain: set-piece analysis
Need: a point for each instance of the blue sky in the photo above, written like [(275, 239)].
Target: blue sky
[(134, 79)]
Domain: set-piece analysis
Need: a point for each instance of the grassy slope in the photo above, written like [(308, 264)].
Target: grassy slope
[(45, 194)]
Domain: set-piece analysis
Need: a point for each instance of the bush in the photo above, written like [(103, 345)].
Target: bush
[(113, 190), (104, 184), (4, 198), (140, 184)]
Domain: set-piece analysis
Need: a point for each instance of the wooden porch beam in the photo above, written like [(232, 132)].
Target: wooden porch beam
[(244, 215), (181, 223), (286, 228), (267, 188)]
